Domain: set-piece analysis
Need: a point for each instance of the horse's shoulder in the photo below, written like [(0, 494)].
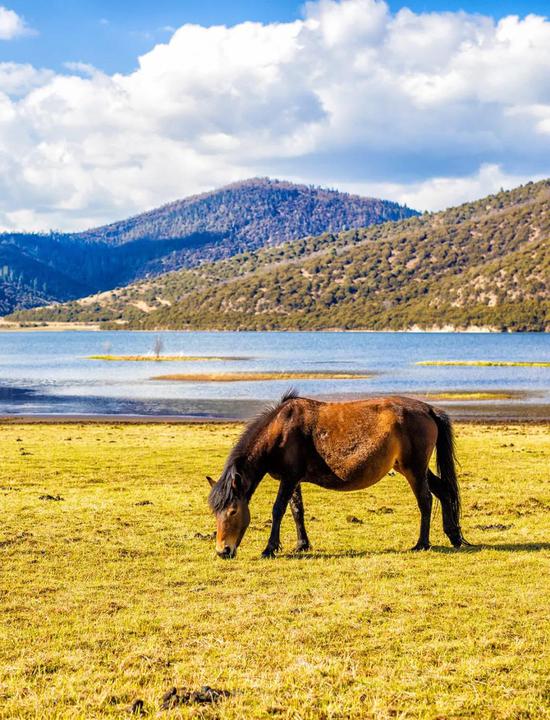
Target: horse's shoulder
[(298, 406), (295, 416)]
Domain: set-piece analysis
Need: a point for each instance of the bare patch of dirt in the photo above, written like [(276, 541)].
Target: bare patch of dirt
[(205, 695)]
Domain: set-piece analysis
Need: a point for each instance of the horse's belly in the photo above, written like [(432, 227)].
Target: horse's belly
[(345, 480), (353, 463), (342, 485)]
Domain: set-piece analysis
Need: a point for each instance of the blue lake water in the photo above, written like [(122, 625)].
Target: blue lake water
[(45, 373)]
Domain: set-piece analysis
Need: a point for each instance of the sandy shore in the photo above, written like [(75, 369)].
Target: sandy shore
[(6, 326)]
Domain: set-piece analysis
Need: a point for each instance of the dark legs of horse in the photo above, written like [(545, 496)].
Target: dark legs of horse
[(286, 489), (451, 528), (419, 485), (297, 507)]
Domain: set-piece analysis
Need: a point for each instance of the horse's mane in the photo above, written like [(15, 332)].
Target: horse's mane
[(223, 492)]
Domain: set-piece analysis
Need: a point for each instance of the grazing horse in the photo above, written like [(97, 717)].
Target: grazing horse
[(338, 446)]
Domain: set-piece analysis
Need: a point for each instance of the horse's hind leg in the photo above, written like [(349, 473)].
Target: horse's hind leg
[(451, 529), (297, 507), (418, 481)]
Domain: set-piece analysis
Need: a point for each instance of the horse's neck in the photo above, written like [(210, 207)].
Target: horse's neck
[(254, 474), (256, 461)]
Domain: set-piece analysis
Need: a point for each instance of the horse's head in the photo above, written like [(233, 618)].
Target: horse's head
[(230, 507)]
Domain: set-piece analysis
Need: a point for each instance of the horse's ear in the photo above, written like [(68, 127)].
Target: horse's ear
[(210, 481), (237, 483)]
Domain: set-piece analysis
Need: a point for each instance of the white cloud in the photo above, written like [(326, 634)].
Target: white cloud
[(444, 192), (12, 25), (430, 109), (81, 68), (18, 79)]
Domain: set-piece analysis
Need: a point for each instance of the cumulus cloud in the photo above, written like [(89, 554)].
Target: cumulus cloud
[(430, 109), (443, 192), (17, 79), (11, 24)]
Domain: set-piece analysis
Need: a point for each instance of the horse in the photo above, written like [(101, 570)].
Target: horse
[(337, 446)]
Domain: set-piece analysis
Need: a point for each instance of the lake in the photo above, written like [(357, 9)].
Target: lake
[(50, 373)]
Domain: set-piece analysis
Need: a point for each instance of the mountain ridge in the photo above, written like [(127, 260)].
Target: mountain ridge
[(482, 264), (248, 184), (220, 223)]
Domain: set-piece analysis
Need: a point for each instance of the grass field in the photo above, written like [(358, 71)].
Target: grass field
[(110, 590)]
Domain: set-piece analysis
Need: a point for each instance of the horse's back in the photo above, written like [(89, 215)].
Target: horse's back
[(363, 439), (380, 413)]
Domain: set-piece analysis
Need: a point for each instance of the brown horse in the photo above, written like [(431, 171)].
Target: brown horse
[(339, 446)]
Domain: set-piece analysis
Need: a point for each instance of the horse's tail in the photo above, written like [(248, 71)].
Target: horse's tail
[(446, 469)]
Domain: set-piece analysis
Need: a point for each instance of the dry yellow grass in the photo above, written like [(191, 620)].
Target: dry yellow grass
[(465, 395), (105, 599), (259, 376), (486, 363), (161, 358)]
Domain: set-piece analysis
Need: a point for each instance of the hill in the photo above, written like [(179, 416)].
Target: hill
[(37, 269), (485, 263)]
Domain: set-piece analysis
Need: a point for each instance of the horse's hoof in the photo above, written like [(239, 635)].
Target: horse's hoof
[(302, 547), (459, 541), (420, 546), (268, 554)]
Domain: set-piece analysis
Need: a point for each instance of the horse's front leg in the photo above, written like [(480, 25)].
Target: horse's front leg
[(286, 488), (297, 507)]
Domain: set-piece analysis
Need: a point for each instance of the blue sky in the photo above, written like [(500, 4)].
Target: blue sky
[(111, 35), (111, 108)]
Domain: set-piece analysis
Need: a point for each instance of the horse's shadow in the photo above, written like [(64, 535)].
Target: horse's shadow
[(442, 549), (499, 547)]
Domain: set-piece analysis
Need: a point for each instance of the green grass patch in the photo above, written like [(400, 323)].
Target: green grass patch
[(111, 591), (259, 376), (486, 363)]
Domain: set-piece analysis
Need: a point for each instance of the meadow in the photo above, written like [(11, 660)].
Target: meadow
[(110, 590)]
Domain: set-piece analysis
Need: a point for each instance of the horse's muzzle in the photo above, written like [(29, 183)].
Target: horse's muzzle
[(227, 553)]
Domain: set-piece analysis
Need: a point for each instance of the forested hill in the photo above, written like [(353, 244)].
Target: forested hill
[(485, 263), (250, 214), (36, 269)]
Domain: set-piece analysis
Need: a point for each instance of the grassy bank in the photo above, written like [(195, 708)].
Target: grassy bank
[(162, 358), (258, 376), (109, 590), (485, 363), (472, 395)]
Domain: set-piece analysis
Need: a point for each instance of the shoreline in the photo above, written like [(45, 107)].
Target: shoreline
[(51, 419), (485, 407), (7, 326), (458, 418)]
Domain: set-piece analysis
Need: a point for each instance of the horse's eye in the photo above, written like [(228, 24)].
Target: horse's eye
[(232, 511)]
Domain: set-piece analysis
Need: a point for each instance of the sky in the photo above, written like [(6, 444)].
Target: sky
[(109, 108)]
